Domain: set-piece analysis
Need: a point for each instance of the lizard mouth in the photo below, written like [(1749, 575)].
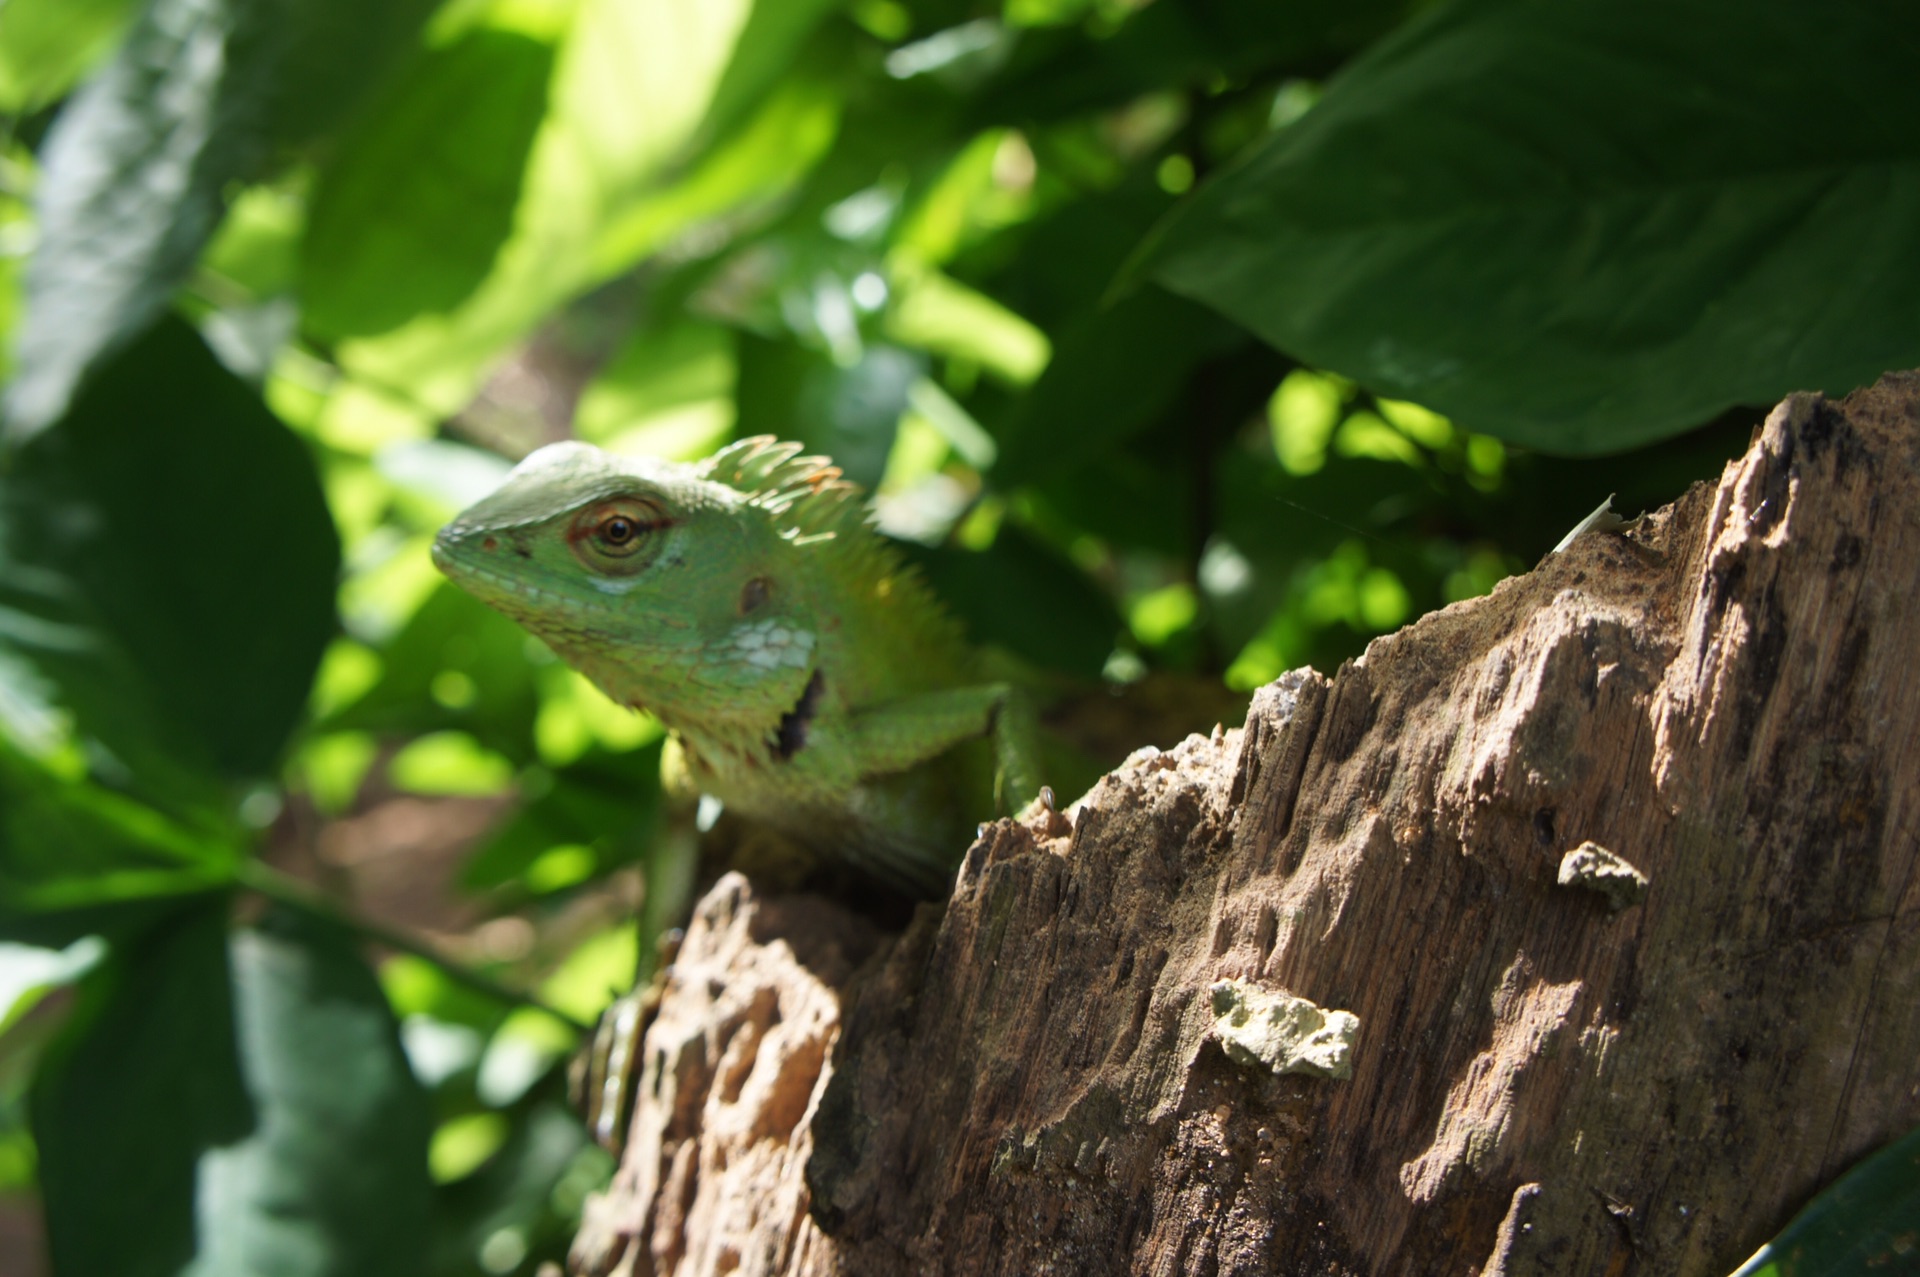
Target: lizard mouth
[(791, 736)]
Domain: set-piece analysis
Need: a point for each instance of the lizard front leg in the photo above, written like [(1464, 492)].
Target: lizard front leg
[(902, 733)]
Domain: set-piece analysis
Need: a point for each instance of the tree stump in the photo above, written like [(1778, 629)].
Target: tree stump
[(1612, 871)]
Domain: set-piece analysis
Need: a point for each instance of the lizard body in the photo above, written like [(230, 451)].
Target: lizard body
[(809, 675)]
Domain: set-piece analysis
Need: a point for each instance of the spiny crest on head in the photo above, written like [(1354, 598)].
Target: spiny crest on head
[(805, 494), (810, 502)]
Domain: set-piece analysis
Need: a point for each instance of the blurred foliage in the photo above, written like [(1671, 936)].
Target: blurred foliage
[(1867, 1221), (1139, 319)]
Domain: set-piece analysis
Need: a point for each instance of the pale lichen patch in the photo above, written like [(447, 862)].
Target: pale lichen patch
[(1256, 1026), (1594, 867)]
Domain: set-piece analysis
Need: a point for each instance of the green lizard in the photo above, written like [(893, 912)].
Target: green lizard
[(808, 675)]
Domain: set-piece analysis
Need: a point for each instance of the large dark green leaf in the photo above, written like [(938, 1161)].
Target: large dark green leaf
[(1864, 1223), (333, 1178), (252, 1107), (408, 216), (1587, 225), (1059, 73), (167, 563), (1068, 258), (202, 95), (145, 1081)]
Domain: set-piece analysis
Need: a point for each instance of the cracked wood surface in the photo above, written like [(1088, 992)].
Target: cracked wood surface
[(1546, 1077)]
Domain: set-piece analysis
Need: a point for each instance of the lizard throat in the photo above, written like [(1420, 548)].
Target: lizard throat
[(791, 736)]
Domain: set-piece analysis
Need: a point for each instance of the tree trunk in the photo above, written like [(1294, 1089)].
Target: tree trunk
[(1551, 1065)]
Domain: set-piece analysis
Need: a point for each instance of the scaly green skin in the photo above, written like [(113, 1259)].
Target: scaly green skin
[(806, 671)]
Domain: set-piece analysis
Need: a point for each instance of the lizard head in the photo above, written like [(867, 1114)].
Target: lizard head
[(662, 586)]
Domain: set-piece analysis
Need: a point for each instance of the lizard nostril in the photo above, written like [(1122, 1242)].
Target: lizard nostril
[(491, 543)]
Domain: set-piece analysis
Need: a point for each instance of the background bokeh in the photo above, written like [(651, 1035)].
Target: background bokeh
[(1180, 343)]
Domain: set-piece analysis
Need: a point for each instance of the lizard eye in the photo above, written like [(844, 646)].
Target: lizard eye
[(610, 536)]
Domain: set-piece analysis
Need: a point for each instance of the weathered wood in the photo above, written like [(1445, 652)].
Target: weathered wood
[(1545, 1078)]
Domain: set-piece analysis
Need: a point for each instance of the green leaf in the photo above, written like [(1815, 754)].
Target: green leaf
[(940, 314), (1582, 226), (202, 95), (46, 45), (668, 390), (453, 632), (144, 1082), (1865, 1222), (333, 1178), (607, 802), (847, 412), (763, 53), (408, 216), (1068, 258), (1115, 373), (1022, 596), (525, 1200), (29, 972), (77, 859), (622, 162), (1055, 74), (167, 563)]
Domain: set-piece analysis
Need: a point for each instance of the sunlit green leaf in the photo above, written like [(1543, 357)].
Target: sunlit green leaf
[(667, 392), (1158, 616), (575, 715), (523, 1051), (27, 972), (409, 215), (417, 987), (1524, 217), (1303, 413), (462, 1143), (449, 763), (333, 766), (631, 92), (599, 970), (942, 315), (257, 248), (45, 45)]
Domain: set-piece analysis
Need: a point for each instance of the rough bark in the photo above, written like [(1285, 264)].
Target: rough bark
[(1587, 1077)]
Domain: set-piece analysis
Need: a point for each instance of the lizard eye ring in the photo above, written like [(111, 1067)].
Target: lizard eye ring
[(617, 532), (609, 536)]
